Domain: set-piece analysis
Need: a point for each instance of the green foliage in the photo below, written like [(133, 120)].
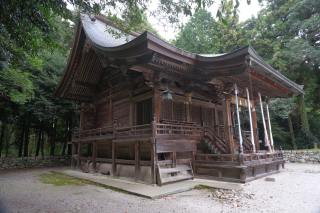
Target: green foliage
[(198, 37), (305, 140), (202, 187), (203, 34)]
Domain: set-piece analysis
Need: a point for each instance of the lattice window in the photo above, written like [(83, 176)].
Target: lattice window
[(144, 112), (207, 116), (178, 109), (196, 114), (220, 117), (166, 110)]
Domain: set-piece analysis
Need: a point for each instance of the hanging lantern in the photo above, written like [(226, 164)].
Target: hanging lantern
[(188, 98), (167, 95)]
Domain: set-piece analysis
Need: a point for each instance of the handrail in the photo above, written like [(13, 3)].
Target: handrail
[(220, 143)]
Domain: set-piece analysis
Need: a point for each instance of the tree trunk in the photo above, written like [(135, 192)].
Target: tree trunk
[(303, 115), (66, 138), (26, 140), (42, 143), (70, 136), (8, 138), (3, 127), (292, 133), (297, 120), (21, 139), (39, 139), (53, 138)]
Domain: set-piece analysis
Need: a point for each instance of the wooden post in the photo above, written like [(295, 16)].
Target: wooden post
[(174, 159), (94, 156), (255, 126), (137, 161), (73, 162), (194, 162), (227, 122), (154, 126), (188, 113), (81, 127), (79, 155), (154, 159), (114, 156)]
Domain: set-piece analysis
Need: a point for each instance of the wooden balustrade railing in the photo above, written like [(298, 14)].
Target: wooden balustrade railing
[(238, 159), (215, 139), (130, 131), (173, 129), (93, 132)]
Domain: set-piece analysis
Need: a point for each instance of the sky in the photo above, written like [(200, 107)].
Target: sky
[(246, 11)]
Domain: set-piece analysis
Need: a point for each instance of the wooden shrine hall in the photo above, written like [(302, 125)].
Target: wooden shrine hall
[(160, 114)]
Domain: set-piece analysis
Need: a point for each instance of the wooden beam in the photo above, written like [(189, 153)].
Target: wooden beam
[(227, 122), (94, 156), (79, 155), (73, 154), (255, 126), (84, 85), (137, 158), (154, 159), (114, 156)]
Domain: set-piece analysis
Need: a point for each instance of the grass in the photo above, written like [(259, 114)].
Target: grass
[(203, 187), (60, 179)]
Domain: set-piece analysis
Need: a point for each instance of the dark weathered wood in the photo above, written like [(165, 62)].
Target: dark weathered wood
[(255, 126), (154, 159), (137, 161), (114, 156), (79, 155), (171, 146), (227, 123), (94, 156), (73, 154)]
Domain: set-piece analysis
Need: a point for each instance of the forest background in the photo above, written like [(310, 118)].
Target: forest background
[(36, 38)]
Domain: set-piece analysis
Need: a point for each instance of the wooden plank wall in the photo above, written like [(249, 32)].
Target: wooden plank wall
[(121, 111), (103, 115)]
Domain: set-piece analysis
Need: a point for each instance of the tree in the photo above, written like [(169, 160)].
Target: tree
[(199, 35)]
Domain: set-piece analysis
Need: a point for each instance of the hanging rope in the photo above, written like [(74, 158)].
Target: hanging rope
[(250, 118), (266, 141), (240, 135), (269, 122)]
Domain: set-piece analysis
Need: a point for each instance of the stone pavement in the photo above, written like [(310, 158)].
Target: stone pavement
[(148, 190)]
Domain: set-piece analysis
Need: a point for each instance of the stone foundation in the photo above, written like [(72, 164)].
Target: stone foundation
[(301, 156), (34, 162)]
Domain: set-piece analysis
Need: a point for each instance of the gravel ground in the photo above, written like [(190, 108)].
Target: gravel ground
[(21, 191)]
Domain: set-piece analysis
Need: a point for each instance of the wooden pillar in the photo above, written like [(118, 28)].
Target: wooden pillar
[(154, 159), (131, 114), (111, 113), (194, 162), (114, 156), (73, 162), (137, 158), (227, 122), (81, 126), (94, 156), (255, 126), (79, 155), (188, 113)]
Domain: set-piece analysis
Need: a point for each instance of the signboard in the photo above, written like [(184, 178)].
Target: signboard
[(243, 102)]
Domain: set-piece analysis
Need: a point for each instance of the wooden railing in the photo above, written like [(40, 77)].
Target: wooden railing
[(132, 131), (246, 142), (215, 139), (258, 158), (93, 133), (225, 159), (173, 129)]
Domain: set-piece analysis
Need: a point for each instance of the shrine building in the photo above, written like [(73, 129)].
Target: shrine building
[(164, 114)]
